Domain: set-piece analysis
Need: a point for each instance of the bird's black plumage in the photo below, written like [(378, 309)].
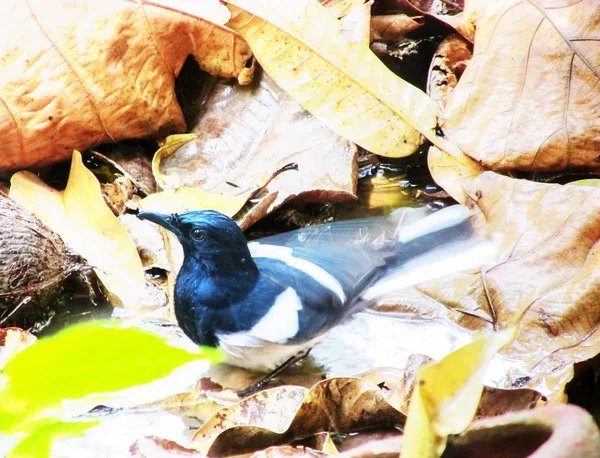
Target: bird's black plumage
[(264, 301)]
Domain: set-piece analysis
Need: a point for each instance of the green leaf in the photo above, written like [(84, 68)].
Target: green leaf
[(89, 358), (39, 443)]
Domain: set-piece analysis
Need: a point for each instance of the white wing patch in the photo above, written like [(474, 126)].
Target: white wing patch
[(285, 254), (281, 322)]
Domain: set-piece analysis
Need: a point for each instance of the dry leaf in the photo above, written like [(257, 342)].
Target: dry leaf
[(393, 26), (77, 75), (557, 431), (235, 155), (286, 413), (155, 447), (453, 170), (81, 217), (446, 396), (302, 47), (187, 199), (448, 64), (530, 97)]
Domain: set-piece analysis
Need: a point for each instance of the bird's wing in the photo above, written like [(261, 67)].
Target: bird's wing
[(347, 250)]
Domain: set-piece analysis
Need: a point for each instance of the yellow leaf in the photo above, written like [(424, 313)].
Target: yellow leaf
[(447, 394), (79, 215), (302, 46), (452, 169), (186, 198), (171, 144)]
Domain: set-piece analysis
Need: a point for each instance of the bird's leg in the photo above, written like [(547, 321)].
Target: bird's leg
[(276, 373)]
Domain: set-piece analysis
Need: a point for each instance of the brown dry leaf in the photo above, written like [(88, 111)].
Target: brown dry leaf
[(284, 414), (393, 26), (156, 447), (530, 97), (448, 64), (81, 217), (74, 76), (235, 155), (305, 49), (558, 431)]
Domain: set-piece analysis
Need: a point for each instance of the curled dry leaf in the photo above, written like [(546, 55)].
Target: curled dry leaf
[(74, 76), (82, 218), (284, 414), (236, 155), (530, 97), (304, 49), (557, 431), (34, 265)]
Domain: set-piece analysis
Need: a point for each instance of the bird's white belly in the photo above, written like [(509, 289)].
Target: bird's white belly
[(250, 352)]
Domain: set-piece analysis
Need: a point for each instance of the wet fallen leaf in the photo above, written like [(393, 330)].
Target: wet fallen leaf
[(283, 414), (80, 216), (304, 49), (234, 156), (447, 394), (34, 265), (526, 117), (74, 76)]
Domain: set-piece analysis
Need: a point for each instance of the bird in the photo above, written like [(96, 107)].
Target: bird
[(265, 303)]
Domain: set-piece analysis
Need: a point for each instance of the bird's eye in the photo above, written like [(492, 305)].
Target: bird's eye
[(198, 234)]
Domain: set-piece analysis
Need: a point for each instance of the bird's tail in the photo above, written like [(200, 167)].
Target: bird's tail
[(430, 247)]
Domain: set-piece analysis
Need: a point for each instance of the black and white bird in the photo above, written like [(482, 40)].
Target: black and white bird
[(266, 301)]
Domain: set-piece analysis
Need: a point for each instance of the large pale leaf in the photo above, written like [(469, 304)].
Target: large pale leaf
[(302, 46), (530, 97), (73, 75), (84, 221)]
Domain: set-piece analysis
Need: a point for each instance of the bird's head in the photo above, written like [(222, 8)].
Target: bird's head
[(204, 234)]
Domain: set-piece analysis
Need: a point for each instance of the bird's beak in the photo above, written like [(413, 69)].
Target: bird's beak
[(166, 221)]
